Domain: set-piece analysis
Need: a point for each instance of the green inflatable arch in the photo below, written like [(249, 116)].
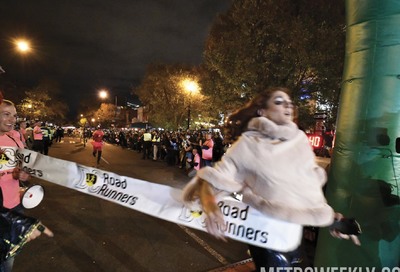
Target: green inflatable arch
[(364, 175)]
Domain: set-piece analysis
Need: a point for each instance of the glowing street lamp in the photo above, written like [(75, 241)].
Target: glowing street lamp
[(103, 94), (23, 46), (29, 110), (191, 87)]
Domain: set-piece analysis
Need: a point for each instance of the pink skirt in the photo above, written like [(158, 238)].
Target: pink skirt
[(97, 145)]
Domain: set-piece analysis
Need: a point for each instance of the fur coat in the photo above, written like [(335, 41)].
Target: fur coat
[(274, 167)]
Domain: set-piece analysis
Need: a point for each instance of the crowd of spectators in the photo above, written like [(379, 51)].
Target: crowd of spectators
[(188, 150)]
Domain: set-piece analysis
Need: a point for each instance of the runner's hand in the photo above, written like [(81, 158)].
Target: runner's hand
[(215, 220), (337, 234), (200, 188), (23, 176), (38, 231), (215, 224)]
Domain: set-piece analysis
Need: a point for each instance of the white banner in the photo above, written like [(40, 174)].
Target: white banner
[(243, 223)]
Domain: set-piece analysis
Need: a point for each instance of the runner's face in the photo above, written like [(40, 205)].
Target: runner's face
[(8, 118), (279, 108)]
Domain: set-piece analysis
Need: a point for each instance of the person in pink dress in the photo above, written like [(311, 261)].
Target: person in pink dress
[(207, 150), (97, 143)]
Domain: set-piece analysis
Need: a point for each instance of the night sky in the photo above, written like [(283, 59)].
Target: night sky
[(87, 45)]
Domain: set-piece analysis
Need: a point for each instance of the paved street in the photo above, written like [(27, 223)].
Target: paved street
[(96, 235)]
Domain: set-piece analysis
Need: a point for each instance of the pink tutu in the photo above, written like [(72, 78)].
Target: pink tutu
[(97, 145)]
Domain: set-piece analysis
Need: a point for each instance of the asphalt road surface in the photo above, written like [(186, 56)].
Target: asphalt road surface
[(92, 234)]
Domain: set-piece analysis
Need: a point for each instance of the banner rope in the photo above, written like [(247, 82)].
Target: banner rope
[(243, 223)]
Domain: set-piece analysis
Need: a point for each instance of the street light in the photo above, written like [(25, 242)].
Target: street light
[(191, 87), (103, 94), (22, 45), (28, 110)]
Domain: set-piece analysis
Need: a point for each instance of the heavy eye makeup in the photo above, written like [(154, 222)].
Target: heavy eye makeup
[(280, 101)]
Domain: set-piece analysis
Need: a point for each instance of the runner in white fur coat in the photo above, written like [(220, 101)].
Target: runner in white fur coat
[(272, 164)]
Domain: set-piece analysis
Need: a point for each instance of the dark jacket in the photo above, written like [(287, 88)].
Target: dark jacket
[(14, 229)]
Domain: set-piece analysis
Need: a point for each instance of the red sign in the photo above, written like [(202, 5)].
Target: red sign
[(316, 141)]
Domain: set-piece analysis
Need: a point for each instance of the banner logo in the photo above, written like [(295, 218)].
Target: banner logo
[(88, 180), (4, 159), (91, 179), (194, 215), (8, 158)]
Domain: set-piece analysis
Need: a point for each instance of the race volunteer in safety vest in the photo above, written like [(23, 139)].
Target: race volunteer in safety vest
[(46, 133), (146, 144)]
